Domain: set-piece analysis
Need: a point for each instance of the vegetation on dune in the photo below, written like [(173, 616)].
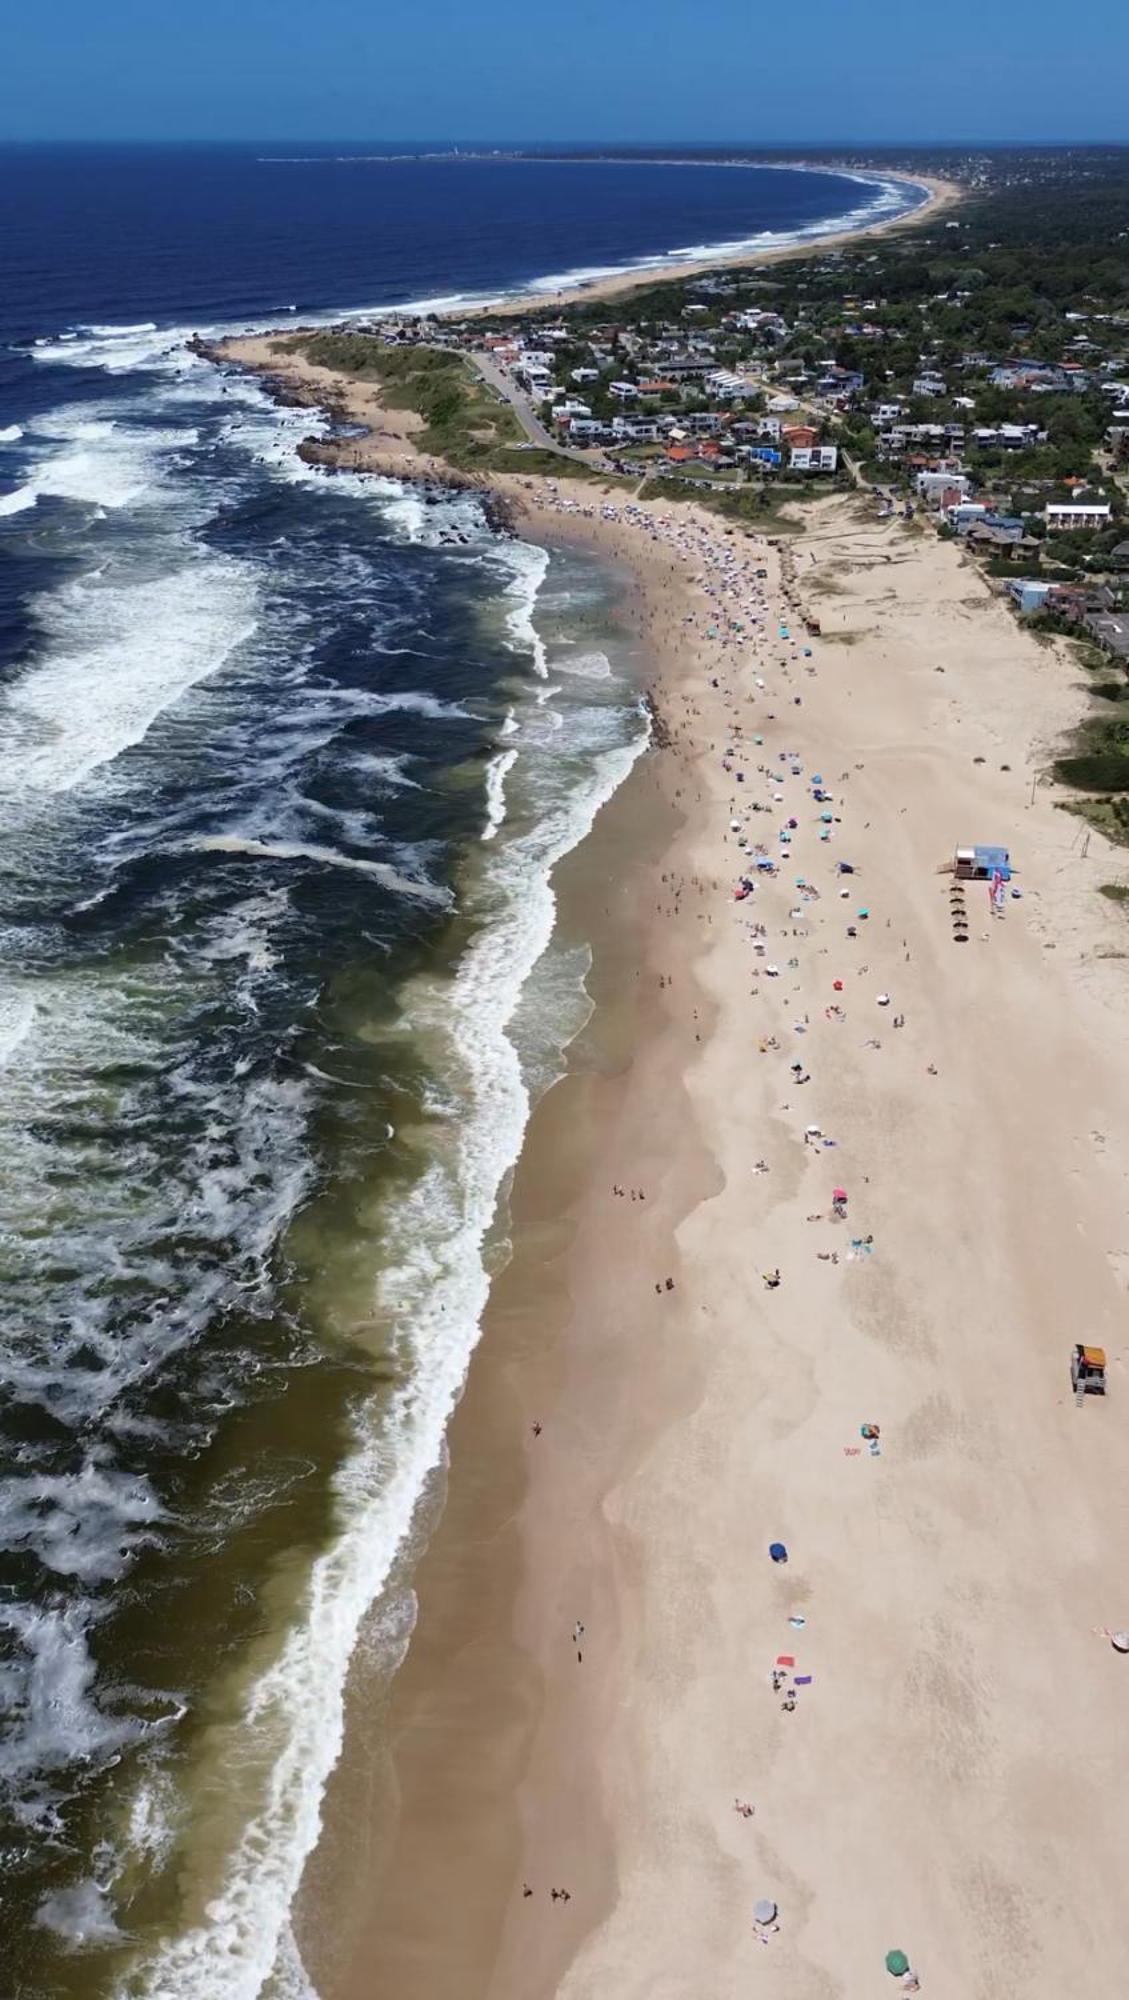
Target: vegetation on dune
[(464, 422)]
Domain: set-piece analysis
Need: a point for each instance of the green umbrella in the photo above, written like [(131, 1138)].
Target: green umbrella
[(897, 1963)]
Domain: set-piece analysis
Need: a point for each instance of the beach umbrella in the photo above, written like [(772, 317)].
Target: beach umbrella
[(897, 1963), (1120, 1641), (838, 1194), (764, 1911), (778, 1552)]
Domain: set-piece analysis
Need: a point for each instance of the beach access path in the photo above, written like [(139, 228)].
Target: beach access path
[(948, 1781)]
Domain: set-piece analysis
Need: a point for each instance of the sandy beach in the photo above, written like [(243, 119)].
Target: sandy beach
[(588, 1704), (943, 196)]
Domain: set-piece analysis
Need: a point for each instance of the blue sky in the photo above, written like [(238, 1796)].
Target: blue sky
[(894, 70)]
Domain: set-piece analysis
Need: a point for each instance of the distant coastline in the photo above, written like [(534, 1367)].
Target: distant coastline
[(941, 196), (549, 291)]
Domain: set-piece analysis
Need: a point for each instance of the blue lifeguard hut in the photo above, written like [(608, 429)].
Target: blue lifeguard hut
[(980, 864)]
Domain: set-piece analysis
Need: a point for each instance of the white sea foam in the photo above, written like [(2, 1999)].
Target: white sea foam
[(496, 771), (46, 1687), (82, 1524), (17, 1018), (11, 433), (80, 1914), (585, 666), (95, 459), (114, 657), (528, 566), (328, 857), (289, 1733)]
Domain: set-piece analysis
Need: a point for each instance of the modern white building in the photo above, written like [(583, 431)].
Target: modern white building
[(727, 386), (813, 458), (1077, 514)]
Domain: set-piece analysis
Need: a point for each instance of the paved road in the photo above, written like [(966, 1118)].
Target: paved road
[(526, 415)]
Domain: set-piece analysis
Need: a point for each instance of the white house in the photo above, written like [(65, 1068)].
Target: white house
[(726, 385), (537, 381), (813, 458), (933, 485), (1077, 514), (624, 392)]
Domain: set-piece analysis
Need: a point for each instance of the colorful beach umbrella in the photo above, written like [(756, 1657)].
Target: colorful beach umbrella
[(764, 1911), (897, 1963)]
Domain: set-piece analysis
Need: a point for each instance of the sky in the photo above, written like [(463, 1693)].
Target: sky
[(630, 70)]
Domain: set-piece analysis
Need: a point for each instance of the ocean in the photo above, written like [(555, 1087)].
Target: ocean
[(288, 761)]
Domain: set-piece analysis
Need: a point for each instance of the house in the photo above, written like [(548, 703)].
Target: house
[(933, 486), (1111, 630), (1077, 514), (927, 385), (814, 458), (800, 437), (563, 413), (999, 535), (1029, 593), (761, 454), (639, 430), (656, 388), (1013, 437), (624, 392), (728, 386)]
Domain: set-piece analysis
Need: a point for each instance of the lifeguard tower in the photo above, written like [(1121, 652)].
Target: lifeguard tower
[(981, 864)]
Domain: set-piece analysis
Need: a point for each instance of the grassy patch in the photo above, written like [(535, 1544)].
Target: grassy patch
[(1117, 892), (550, 465), (464, 422)]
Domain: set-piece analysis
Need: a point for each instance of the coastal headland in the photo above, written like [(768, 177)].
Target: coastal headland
[(621, 1724)]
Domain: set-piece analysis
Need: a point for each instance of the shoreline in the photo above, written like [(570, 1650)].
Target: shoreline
[(943, 196), (675, 1463), (624, 1791)]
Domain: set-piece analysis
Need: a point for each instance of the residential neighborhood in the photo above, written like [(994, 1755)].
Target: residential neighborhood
[(980, 394)]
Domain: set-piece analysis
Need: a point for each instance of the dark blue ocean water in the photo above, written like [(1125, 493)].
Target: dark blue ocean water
[(285, 763), (176, 233)]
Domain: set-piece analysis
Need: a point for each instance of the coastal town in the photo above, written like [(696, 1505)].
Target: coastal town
[(992, 412)]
